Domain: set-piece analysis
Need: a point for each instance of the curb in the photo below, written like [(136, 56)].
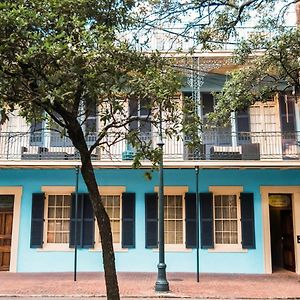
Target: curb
[(160, 296)]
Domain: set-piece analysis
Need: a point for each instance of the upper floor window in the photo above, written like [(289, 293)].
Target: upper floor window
[(140, 109)]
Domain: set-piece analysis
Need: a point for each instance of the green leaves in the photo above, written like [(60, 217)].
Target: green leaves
[(263, 74)]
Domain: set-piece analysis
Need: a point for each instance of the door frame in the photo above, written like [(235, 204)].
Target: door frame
[(294, 191), (16, 191)]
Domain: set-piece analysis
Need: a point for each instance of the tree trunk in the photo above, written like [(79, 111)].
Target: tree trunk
[(112, 288), (88, 174)]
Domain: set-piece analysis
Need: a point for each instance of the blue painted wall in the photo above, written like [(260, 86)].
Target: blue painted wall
[(141, 259)]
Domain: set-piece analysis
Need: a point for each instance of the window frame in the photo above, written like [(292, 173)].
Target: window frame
[(54, 190), (142, 117), (176, 191), (224, 191)]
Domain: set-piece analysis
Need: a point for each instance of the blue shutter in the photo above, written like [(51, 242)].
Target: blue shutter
[(37, 220), (85, 222), (151, 213), (73, 221), (190, 220), (247, 220), (88, 223), (128, 220), (206, 219)]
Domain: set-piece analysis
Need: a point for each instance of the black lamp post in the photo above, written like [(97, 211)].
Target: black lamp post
[(161, 284)]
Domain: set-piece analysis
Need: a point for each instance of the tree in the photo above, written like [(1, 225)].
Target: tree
[(262, 74), (211, 24), (64, 58), (266, 62)]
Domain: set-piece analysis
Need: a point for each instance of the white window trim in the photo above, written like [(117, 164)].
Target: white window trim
[(176, 191), (110, 191), (54, 190), (228, 190)]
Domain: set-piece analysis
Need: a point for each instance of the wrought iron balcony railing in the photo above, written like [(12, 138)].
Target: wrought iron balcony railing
[(47, 145)]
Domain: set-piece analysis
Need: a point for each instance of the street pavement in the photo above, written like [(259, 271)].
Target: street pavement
[(54, 286)]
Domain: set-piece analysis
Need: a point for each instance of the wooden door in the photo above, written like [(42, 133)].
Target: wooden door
[(287, 236), (6, 221)]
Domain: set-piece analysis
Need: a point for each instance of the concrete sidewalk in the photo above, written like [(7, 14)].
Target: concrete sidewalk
[(141, 285)]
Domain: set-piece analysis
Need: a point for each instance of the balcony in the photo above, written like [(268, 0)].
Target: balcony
[(46, 145)]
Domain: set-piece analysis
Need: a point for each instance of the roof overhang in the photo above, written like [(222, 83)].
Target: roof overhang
[(213, 164)]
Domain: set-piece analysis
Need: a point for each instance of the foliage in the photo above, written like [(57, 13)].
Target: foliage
[(263, 73), (210, 24)]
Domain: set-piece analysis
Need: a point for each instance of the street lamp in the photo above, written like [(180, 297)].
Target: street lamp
[(161, 284)]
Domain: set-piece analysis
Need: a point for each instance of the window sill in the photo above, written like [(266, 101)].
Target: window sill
[(227, 250), (56, 248), (174, 249), (116, 249)]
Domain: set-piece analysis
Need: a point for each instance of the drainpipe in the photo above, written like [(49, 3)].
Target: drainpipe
[(75, 231)]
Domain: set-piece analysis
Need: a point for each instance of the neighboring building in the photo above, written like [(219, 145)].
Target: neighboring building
[(249, 183)]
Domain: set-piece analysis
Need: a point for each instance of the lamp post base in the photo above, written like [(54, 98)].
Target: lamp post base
[(161, 284)]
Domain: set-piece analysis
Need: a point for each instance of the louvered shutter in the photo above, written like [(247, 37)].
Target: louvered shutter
[(151, 213), (37, 220), (128, 220), (85, 222), (206, 219), (88, 223), (247, 220), (190, 220)]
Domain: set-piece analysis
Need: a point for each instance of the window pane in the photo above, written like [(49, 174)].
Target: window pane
[(178, 213), (58, 226), (219, 226), (50, 237), (171, 213), (226, 238), (218, 213), (67, 200), (234, 238), (51, 225), (225, 213), (65, 238), (59, 200), (218, 201), (225, 201), (66, 213), (51, 200), (179, 238), (51, 212), (219, 238), (233, 225), (59, 213), (65, 225), (233, 213), (226, 225)]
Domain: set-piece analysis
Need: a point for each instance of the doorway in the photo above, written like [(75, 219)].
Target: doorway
[(282, 232), (6, 224)]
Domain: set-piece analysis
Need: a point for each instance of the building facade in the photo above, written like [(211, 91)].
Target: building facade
[(249, 193)]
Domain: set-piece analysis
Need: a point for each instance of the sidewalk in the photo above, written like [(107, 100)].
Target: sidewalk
[(141, 285)]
